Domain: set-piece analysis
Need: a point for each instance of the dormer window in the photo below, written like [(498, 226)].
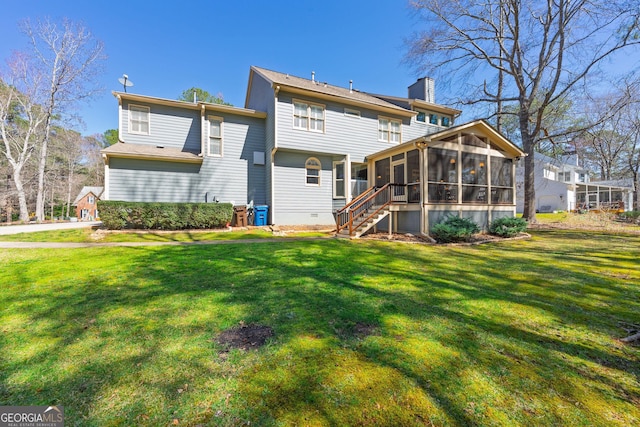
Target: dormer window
[(433, 119), (421, 117)]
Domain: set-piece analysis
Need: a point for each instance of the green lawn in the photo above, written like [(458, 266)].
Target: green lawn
[(87, 235), (515, 333)]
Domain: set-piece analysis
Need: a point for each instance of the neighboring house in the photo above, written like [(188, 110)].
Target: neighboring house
[(561, 184), (315, 153), (86, 203)]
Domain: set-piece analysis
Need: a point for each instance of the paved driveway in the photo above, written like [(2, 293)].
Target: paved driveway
[(30, 228)]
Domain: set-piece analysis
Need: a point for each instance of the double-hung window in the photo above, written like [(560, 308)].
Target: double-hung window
[(312, 168), (308, 116), (139, 119), (389, 130), (215, 136)]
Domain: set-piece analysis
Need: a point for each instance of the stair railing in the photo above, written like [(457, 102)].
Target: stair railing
[(366, 206)]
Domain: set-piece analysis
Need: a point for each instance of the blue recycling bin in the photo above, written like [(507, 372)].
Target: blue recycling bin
[(260, 214)]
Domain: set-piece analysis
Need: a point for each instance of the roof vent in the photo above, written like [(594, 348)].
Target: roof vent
[(350, 86), (313, 76)]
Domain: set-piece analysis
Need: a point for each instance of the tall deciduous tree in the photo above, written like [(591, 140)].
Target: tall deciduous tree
[(63, 64), (202, 95), (531, 53)]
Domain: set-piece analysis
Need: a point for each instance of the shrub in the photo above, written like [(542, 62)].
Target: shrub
[(508, 227), (454, 229), (117, 215), (630, 216)]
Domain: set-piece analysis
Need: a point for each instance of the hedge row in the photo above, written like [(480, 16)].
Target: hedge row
[(117, 215)]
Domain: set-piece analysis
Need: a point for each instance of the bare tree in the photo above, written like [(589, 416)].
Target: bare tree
[(21, 122), (542, 51), (64, 61)]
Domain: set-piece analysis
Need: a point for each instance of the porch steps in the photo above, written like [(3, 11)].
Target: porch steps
[(372, 221)]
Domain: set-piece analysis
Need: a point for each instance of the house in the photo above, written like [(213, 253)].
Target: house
[(86, 203), (315, 154), (561, 184)]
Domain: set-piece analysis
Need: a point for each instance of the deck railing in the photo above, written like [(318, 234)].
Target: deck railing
[(367, 205)]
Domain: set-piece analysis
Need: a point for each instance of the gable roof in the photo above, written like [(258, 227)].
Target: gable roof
[(96, 191), (189, 105), (323, 90), (480, 125)]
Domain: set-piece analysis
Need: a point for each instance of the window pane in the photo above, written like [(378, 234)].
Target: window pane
[(421, 117), (316, 112), (339, 170), (474, 169), (300, 109), (215, 147), (382, 172), (433, 119), (474, 194), (442, 165), (501, 172), (214, 128)]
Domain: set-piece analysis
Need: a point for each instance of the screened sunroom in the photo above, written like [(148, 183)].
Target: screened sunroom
[(467, 171)]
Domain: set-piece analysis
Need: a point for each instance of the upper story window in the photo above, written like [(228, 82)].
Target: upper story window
[(139, 119), (352, 113), (308, 116), (215, 137), (312, 167), (433, 119), (389, 130), (421, 117), (446, 121), (91, 200)]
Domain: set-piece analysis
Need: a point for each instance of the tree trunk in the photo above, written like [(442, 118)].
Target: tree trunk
[(41, 169), (528, 146), (22, 198)]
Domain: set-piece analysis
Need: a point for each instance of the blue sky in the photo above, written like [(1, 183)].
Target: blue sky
[(167, 47)]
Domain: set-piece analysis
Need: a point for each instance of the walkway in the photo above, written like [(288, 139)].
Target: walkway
[(32, 228)]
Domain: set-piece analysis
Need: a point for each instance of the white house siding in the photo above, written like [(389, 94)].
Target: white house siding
[(299, 203), (168, 126)]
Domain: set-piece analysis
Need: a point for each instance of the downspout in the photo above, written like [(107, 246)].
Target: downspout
[(106, 177), (119, 117), (273, 153), (203, 124)]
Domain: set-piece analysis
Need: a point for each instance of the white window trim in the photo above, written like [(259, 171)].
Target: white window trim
[(221, 120), (349, 112), (344, 179), (308, 116), (306, 168), (390, 120), (148, 110)]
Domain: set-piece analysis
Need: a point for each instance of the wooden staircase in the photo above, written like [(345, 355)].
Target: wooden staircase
[(366, 210)]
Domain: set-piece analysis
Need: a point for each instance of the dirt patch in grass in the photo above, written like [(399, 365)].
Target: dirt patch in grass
[(245, 337)]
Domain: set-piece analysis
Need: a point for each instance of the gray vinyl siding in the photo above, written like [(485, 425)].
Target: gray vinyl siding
[(262, 99), (296, 202), (417, 129), (343, 134), (232, 177), (168, 126), (152, 181)]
